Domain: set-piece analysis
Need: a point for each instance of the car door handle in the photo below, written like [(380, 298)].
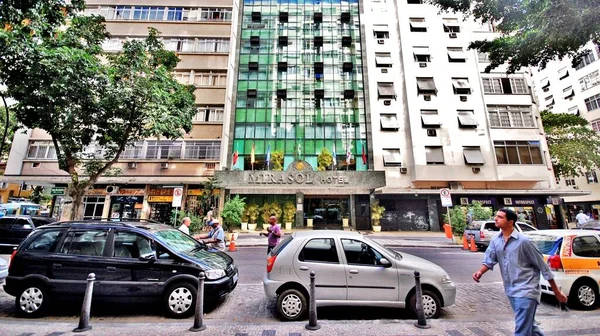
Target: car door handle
[(111, 269), (353, 271), (304, 268), (57, 265)]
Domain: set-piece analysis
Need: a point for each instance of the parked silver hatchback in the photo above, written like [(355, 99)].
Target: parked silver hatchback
[(351, 270)]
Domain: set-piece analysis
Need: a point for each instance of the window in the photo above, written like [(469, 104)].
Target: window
[(473, 156), (592, 178), (41, 150), (418, 25), (211, 78), (586, 246), (570, 182), (131, 245), (426, 86), (589, 81), (319, 250), (593, 102), (518, 152), (434, 154), (163, 150), (585, 61), (568, 92), (202, 150), (212, 46), (492, 85), (414, 2), (563, 73), (497, 85), (148, 13), (385, 91), (518, 86), (461, 86), (389, 122), (466, 119), (180, 45), (123, 12), (391, 157), (209, 114), (215, 14), (46, 242), (359, 253), (574, 110), (430, 118), (483, 57), (491, 227), (383, 60), (381, 31), (89, 243), (510, 116), (422, 54), (133, 151), (456, 55), (451, 25), (93, 207), (595, 125)]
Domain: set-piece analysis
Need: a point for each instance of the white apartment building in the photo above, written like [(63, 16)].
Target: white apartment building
[(560, 88)]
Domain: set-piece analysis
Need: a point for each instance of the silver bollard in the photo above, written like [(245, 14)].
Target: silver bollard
[(84, 318), (421, 321), (312, 307), (198, 323)]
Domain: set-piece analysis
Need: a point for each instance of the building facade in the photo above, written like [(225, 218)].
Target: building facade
[(560, 88)]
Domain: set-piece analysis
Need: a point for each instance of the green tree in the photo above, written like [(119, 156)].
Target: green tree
[(479, 212), (574, 147), (10, 132), (458, 220), (52, 64), (233, 211), (324, 160), (532, 32), (277, 159)]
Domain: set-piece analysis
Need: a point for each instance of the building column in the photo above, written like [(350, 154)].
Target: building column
[(434, 217), (106, 210), (146, 206), (351, 208), (299, 209)]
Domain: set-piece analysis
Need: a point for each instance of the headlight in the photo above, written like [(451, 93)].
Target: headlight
[(214, 274), (446, 279)]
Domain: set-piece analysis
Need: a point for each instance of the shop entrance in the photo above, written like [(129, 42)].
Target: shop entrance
[(161, 212), (124, 207), (326, 212)]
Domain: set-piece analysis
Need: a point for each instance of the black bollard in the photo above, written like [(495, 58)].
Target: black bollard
[(312, 307), (84, 318), (421, 321), (198, 323)]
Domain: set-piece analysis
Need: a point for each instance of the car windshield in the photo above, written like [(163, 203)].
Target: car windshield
[(396, 255), (545, 243), (178, 241)]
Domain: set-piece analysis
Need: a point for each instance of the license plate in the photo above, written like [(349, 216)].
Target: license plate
[(235, 278)]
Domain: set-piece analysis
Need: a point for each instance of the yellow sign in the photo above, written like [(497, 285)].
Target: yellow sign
[(160, 199), (194, 192)]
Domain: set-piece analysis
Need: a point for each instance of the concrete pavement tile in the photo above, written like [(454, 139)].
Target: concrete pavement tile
[(454, 333)]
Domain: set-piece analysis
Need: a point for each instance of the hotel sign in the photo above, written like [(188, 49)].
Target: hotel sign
[(255, 178)]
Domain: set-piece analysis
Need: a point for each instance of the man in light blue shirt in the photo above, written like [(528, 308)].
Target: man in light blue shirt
[(216, 236), (520, 265)]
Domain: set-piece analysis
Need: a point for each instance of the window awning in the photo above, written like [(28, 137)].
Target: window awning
[(386, 90), (392, 157), (457, 55), (383, 60), (451, 23), (563, 73), (421, 51), (381, 28), (418, 24), (569, 94), (389, 121), (550, 103), (574, 110), (467, 120), (473, 156), (545, 83), (430, 120), (434, 154), (426, 84), (461, 83)]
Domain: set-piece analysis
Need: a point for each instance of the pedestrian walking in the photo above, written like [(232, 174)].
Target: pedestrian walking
[(520, 266), (215, 237), (185, 225), (273, 233)]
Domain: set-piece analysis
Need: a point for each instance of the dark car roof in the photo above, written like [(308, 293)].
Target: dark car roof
[(139, 224)]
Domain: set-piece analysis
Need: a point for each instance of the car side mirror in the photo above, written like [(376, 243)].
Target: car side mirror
[(384, 262), (148, 257)]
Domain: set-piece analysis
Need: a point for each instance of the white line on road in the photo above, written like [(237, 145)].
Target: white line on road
[(461, 253)]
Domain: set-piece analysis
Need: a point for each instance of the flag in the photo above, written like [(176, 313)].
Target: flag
[(334, 156), (364, 154), (268, 155), (252, 154), (235, 157), (348, 155), (299, 151)]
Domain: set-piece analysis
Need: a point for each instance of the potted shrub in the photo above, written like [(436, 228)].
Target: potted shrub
[(252, 216), (269, 209), (289, 211), (277, 159), (245, 217), (458, 221), (232, 215), (376, 214), (342, 206), (324, 160)]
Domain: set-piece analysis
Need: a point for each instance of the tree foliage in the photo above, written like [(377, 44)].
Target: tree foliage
[(10, 134), (233, 210), (92, 105), (574, 147), (534, 32)]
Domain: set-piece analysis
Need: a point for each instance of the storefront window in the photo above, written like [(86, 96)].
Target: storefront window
[(93, 207), (123, 207)]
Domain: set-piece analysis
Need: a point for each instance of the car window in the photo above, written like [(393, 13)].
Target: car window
[(547, 244), (319, 250), (89, 243), (360, 253), (474, 226), (525, 227), (178, 241), (282, 244), (131, 245), (491, 227), (586, 246), (21, 223), (40, 221), (46, 241), (6, 222)]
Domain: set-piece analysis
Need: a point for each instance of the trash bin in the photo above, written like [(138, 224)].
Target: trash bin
[(448, 231)]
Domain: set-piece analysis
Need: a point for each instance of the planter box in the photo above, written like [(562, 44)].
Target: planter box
[(244, 227), (377, 228), (309, 222), (288, 226), (251, 227), (345, 222)]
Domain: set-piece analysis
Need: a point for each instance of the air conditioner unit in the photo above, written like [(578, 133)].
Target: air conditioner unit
[(132, 165), (403, 170), (112, 189), (456, 185), (464, 201), (423, 65), (476, 170), (463, 98), (431, 132), (508, 201), (387, 102), (452, 35), (384, 70), (380, 41), (427, 97), (164, 165), (575, 187)]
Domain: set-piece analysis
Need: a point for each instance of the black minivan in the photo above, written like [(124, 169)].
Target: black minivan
[(132, 261)]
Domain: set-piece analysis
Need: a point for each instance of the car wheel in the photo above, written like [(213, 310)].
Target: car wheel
[(180, 300), (33, 300), (431, 304), (291, 305), (584, 295)]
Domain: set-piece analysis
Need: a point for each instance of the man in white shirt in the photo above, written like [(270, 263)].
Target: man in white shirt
[(581, 218), (185, 226)]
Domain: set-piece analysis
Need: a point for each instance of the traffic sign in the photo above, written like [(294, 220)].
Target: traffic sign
[(177, 196), (446, 197)]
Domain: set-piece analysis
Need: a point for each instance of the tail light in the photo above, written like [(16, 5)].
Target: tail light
[(270, 263), (11, 258), (481, 235), (554, 263)]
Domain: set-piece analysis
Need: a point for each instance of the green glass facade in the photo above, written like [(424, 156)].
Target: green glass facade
[(300, 84)]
